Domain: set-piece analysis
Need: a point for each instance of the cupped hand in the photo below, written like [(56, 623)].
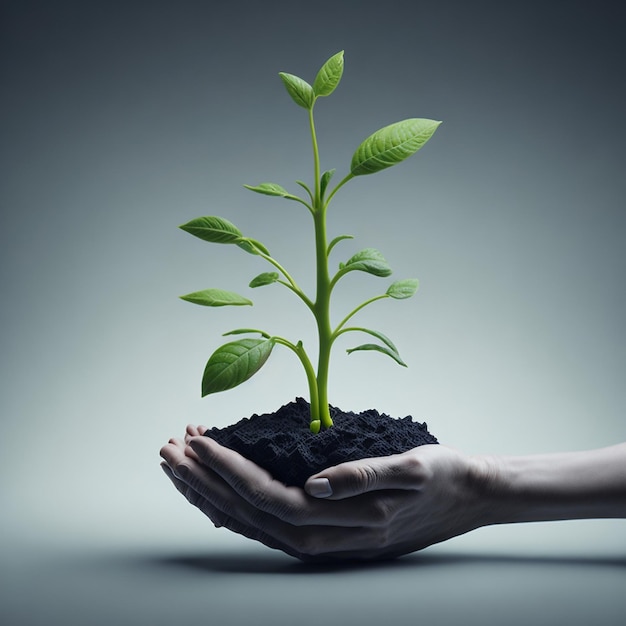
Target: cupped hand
[(369, 509)]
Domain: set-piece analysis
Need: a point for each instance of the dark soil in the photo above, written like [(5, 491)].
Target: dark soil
[(282, 444)]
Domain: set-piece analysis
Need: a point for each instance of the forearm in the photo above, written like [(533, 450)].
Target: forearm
[(576, 485)]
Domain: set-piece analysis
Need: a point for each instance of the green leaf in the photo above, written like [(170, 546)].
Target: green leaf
[(243, 331), (216, 297), (378, 335), (299, 90), (269, 189), (266, 278), (272, 189), (326, 176), (306, 188), (391, 144), (402, 289), (213, 229), (372, 346), (235, 362), (335, 241), (252, 246), (368, 260), (329, 75)]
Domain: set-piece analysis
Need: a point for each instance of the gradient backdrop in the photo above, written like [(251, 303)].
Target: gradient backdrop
[(121, 120)]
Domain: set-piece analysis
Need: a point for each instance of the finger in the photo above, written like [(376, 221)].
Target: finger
[(291, 504), (173, 452), (194, 431), (186, 491), (220, 519), (353, 478), (306, 543), (249, 481), (191, 454)]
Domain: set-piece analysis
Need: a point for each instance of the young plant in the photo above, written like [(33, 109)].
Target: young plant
[(236, 361)]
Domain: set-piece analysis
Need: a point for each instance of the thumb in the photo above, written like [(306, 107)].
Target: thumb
[(353, 478)]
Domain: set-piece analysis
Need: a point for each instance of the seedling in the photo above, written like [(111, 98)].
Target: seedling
[(236, 361)]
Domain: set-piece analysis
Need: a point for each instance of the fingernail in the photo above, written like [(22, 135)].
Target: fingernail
[(181, 472), (319, 488), (194, 444)]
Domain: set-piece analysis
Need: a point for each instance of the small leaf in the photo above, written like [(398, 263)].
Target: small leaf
[(372, 346), (378, 335), (269, 189), (235, 362), (252, 246), (334, 242), (306, 188), (243, 331), (266, 278), (272, 189), (391, 144), (216, 297), (368, 260), (329, 75), (213, 229), (402, 289), (326, 176), (299, 90)]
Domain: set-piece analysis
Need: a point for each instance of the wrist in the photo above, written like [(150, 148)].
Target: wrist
[(579, 485), (488, 484), (504, 488)]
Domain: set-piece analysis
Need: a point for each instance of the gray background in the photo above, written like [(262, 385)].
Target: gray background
[(121, 120)]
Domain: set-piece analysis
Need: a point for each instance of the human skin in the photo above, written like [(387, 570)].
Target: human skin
[(388, 506)]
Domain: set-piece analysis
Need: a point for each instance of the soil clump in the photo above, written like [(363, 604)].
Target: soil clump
[(282, 443)]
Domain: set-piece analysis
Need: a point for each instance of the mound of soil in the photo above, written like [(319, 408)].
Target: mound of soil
[(282, 443)]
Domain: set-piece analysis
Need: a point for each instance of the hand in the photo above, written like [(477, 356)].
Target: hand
[(368, 509)]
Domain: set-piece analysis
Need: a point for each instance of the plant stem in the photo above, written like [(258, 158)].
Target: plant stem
[(322, 301), (308, 368), (347, 317), (292, 283), (348, 177), (317, 200), (322, 316)]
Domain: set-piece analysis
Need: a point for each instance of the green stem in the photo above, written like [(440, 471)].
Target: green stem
[(322, 316), (338, 330), (316, 163), (292, 283), (337, 276), (301, 201), (308, 368), (338, 187), (321, 307)]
